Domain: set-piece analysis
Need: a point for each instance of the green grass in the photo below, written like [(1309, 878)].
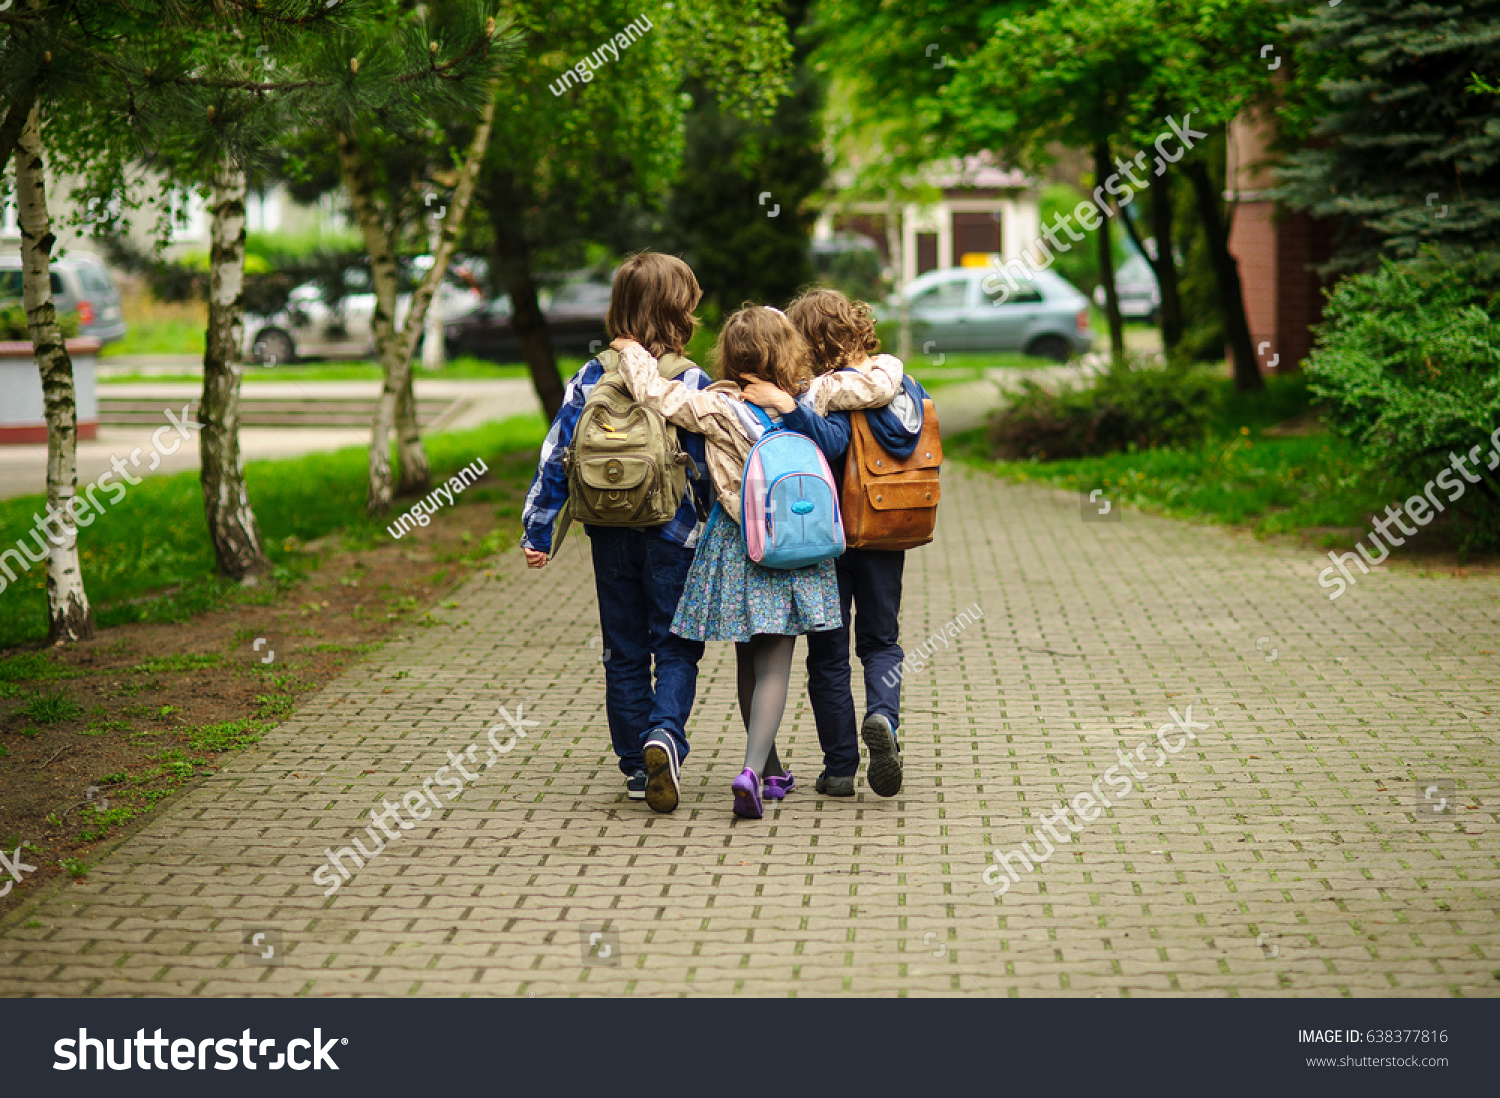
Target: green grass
[(225, 736), (148, 558), (1241, 476), (49, 708), (159, 336), (31, 667), (186, 661), (460, 369)]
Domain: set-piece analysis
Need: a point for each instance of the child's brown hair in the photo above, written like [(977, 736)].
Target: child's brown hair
[(840, 332), (652, 301), (761, 342)]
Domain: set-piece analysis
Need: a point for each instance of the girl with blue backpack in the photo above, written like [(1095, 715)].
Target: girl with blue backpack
[(763, 573)]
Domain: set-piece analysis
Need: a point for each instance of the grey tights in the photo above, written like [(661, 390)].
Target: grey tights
[(764, 668)]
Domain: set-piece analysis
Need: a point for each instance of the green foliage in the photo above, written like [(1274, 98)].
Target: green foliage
[(13, 323), (49, 708), (1275, 486), (76, 868), (715, 215), (1408, 360), (182, 661), (1129, 407), (30, 667), (1385, 89), (225, 735)]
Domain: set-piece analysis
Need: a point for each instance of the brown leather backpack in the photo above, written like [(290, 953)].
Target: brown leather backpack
[(889, 503)]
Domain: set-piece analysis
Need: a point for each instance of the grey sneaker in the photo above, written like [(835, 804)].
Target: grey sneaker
[(884, 771), (662, 783), (834, 787), (635, 786)]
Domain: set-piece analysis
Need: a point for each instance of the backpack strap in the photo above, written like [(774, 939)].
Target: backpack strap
[(765, 420)]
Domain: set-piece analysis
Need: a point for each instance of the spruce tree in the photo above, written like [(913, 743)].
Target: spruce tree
[(1406, 152)]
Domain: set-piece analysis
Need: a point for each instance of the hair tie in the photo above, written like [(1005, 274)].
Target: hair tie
[(774, 309)]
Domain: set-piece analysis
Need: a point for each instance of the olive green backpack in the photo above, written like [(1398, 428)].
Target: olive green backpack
[(624, 467)]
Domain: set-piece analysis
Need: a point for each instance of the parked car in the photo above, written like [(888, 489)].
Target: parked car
[(80, 284), (310, 327), (951, 311), (575, 320), (1135, 282)]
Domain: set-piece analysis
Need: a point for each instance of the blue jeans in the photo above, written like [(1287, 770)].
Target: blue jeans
[(639, 576), (870, 579)]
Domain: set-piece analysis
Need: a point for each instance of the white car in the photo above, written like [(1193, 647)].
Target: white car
[(1135, 282), (310, 328), (968, 309)]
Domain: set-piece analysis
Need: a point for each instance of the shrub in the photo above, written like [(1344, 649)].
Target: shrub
[(1129, 406), (1408, 358), (13, 323), (1408, 363)]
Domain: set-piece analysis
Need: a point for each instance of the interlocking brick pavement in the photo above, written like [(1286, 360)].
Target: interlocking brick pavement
[(1283, 853)]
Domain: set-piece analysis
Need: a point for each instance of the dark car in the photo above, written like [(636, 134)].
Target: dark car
[(575, 320)]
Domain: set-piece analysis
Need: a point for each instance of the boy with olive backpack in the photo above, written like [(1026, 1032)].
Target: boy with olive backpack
[(640, 486)]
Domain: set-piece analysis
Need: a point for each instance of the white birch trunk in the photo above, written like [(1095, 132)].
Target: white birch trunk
[(226, 503), (69, 618)]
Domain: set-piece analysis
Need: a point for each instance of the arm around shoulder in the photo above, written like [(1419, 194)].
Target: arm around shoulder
[(873, 384)]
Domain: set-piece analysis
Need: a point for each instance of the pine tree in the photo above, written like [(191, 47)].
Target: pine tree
[(1407, 151)]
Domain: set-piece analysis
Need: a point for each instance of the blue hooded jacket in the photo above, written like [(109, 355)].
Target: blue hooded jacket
[(895, 437)]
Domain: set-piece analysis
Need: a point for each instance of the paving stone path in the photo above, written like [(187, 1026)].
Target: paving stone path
[(1292, 849)]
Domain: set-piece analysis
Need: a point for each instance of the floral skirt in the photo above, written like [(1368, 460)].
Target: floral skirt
[(728, 597)]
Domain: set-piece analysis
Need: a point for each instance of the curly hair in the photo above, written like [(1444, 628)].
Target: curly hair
[(757, 342), (840, 332), (652, 301)]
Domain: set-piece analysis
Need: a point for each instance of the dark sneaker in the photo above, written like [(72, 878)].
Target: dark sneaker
[(662, 783), (884, 772), (635, 786), (835, 787)]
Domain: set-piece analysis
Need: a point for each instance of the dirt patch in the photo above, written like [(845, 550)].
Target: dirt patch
[(94, 737)]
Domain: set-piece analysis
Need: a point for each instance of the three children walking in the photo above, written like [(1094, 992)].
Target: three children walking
[(712, 518)]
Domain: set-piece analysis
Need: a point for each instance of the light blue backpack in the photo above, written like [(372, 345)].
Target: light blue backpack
[(789, 505)]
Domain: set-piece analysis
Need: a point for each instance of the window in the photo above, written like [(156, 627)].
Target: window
[(189, 218), (95, 280), (1025, 293), (10, 213), (263, 211), (11, 285), (953, 294)]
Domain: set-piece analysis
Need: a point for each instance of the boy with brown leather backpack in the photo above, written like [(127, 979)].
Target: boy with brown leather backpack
[(890, 497), (640, 487)]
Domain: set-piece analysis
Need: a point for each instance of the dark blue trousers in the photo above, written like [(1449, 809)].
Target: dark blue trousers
[(639, 577), (870, 580)]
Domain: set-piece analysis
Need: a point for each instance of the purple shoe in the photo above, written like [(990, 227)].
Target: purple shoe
[(778, 787), (747, 795)]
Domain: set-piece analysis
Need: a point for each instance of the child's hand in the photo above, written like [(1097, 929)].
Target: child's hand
[(762, 392), (535, 559), (622, 342)]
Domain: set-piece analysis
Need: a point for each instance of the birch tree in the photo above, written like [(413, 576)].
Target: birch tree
[(68, 615)]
